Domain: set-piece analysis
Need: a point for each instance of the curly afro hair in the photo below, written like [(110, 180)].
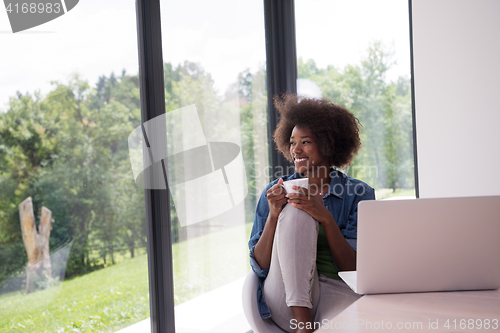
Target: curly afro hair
[(335, 128)]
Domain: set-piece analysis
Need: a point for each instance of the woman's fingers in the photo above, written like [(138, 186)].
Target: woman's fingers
[(303, 200), (302, 190), (299, 201), (276, 189), (276, 193), (298, 205), (274, 196), (301, 195), (281, 202), (276, 203), (295, 195)]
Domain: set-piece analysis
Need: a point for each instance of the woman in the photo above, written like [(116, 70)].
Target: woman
[(299, 242)]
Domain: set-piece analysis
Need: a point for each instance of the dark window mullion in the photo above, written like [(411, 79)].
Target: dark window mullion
[(415, 160), (281, 61), (160, 268)]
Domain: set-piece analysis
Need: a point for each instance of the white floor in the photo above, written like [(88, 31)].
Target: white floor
[(218, 311)]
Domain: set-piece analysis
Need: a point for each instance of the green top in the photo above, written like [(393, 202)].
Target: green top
[(324, 259)]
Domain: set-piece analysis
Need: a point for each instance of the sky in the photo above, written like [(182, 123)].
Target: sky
[(98, 37), (339, 32)]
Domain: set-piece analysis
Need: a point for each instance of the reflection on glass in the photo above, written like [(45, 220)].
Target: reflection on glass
[(205, 179), (72, 220), (214, 55), (357, 54)]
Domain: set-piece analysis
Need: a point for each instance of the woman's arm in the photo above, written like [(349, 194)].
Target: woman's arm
[(263, 249), (343, 254)]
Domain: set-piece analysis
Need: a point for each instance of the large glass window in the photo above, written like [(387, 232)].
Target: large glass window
[(216, 113), (72, 220), (72, 216), (357, 54)]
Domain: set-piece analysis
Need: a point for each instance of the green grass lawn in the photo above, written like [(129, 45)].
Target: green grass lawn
[(385, 193), (97, 302), (118, 296)]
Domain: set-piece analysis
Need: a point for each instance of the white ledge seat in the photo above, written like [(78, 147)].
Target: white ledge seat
[(251, 309)]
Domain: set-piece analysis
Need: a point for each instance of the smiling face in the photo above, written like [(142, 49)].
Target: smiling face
[(305, 151)]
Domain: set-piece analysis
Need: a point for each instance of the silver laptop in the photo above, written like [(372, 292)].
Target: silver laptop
[(422, 245)]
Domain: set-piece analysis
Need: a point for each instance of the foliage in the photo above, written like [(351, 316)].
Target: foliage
[(224, 117), (69, 151), (384, 110)]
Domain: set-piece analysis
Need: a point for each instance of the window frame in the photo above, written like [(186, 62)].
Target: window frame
[(158, 223), (413, 119), (281, 68)]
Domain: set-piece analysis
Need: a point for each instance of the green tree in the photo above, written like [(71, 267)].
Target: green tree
[(69, 152), (384, 110)]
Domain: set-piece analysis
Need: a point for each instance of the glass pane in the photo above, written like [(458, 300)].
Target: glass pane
[(357, 54), (72, 220), (216, 115)]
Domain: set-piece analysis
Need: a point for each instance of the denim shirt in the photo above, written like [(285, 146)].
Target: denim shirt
[(341, 200)]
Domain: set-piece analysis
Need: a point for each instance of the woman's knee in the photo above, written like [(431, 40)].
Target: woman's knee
[(292, 217)]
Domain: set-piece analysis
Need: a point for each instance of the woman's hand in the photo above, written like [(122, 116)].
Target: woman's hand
[(311, 203), (276, 199)]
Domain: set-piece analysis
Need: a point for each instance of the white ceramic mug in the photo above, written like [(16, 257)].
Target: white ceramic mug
[(302, 182)]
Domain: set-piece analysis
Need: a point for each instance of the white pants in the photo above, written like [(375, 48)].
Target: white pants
[(293, 279)]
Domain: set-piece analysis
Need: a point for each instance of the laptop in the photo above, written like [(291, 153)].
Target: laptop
[(425, 245)]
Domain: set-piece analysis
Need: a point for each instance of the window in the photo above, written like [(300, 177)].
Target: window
[(216, 114), (68, 145), (64, 146), (357, 54)]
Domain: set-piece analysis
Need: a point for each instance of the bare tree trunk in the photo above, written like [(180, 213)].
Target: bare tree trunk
[(35, 242), (42, 239), (131, 248), (28, 227)]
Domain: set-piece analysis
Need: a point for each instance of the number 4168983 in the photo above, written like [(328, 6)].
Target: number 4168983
[(472, 324), (33, 8)]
